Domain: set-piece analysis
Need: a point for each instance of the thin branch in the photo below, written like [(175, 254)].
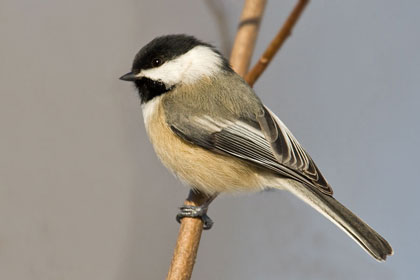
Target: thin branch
[(249, 24), (187, 243), (221, 18), (190, 230), (276, 43)]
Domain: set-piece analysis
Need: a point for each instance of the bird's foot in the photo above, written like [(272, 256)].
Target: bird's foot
[(195, 212)]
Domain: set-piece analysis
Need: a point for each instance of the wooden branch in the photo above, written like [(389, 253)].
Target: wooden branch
[(249, 24), (187, 243), (276, 43), (190, 230)]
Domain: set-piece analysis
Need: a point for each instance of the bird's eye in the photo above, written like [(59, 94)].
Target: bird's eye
[(156, 62)]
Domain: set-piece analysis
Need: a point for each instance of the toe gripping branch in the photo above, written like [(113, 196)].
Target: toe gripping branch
[(195, 212)]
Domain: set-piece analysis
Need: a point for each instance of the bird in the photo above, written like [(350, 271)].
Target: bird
[(212, 131)]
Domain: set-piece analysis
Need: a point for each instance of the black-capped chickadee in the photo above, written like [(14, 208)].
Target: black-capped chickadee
[(211, 130)]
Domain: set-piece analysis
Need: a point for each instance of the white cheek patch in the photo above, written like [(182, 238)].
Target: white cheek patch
[(199, 62)]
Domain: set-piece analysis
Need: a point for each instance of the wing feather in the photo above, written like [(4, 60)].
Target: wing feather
[(298, 159), (272, 146)]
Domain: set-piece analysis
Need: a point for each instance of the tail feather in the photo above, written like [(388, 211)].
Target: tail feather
[(362, 233)]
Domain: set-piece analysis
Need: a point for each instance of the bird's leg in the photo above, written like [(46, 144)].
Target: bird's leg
[(199, 211)]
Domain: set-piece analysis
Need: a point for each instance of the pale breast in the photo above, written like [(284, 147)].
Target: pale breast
[(199, 168)]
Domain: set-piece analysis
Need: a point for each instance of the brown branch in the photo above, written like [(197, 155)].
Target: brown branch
[(246, 36), (190, 230), (276, 43), (187, 243)]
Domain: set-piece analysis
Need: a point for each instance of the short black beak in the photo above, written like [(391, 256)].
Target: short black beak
[(130, 76)]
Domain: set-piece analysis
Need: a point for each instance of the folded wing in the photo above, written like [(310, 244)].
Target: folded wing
[(264, 141)]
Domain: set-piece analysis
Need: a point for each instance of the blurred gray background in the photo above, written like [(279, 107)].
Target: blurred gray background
[(82, 195)]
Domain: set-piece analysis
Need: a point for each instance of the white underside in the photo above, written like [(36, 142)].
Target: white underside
[(149, 109)]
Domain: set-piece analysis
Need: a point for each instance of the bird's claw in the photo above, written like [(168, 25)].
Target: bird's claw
[(195, 212)]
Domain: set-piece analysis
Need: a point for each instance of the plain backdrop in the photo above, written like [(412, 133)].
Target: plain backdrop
[(83, 196)]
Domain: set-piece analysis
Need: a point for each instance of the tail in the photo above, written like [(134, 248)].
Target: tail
[(363, 234)]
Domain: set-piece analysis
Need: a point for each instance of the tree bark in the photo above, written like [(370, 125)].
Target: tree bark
[(246, 36), (276, 43)]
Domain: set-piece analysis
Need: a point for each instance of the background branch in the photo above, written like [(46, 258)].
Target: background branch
[(246, 36), (276, 43), (221, 18)]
